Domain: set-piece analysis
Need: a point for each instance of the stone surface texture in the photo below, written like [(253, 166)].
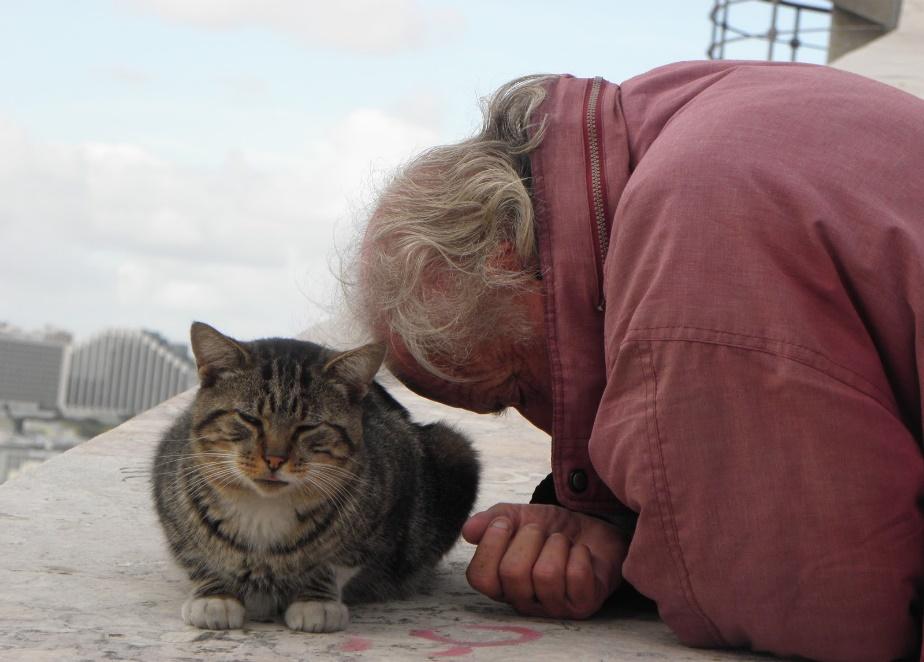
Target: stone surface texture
[(85, 573)]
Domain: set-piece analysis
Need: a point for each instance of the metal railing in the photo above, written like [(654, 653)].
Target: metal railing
[(776, 34)]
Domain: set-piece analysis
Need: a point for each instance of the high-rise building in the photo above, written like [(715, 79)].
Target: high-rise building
[(32, 369), (119, 373), (111, 376)]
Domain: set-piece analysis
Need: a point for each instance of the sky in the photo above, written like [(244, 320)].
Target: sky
[(164, 161)]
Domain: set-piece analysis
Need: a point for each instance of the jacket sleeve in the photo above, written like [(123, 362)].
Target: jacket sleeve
[(779, 505)]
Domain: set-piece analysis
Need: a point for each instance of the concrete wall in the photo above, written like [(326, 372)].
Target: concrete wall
[(855, 23), (883, 12), (897, 58)]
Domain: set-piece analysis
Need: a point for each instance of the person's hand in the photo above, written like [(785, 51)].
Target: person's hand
[(544, 560)]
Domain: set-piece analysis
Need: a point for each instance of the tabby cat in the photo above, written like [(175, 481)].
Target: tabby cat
[(295, 484)]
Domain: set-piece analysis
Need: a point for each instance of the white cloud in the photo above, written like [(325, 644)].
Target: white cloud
[(366, 26), (95, 235)]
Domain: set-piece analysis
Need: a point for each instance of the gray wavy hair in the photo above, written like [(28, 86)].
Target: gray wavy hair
[(451, 238)]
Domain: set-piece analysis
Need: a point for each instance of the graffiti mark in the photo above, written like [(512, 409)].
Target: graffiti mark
[(355, 645), (464, 647)]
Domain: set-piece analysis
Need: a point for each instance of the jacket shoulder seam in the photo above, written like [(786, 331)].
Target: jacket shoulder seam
[(662, 490)]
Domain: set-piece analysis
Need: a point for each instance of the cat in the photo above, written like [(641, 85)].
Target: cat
[(295, 484)]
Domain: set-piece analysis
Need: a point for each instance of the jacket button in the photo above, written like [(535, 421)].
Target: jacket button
[(577, 481)]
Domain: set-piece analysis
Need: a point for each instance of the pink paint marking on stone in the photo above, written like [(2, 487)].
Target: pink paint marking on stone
[(455, 651), (458, 648), (356, 645)]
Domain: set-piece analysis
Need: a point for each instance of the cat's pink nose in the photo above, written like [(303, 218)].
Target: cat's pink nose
[(275, 461)]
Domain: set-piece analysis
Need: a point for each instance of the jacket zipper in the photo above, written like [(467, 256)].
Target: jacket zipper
[(596, 182)]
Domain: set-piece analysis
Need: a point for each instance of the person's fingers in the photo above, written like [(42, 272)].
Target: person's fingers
[(482, 571), (549, 576), (516, 566), (581, 587), (474, 528)]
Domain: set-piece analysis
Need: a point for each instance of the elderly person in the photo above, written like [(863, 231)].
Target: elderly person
[(707, 285)]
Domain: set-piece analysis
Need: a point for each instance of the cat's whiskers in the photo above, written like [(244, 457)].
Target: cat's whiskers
[(337, 492), (168, 459), (212, 470), (193, 453), (310, 483), (205, 469), (212, 475), (336, 498)]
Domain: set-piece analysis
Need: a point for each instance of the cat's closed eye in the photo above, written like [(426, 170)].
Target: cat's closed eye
[(239, 433), (306, 430), (320, 439), (249, 418)]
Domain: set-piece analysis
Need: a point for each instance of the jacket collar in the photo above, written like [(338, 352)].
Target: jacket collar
[(578, 173)]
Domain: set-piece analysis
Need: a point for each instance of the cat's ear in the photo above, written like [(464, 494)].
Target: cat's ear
[(356, 368), (216, 354)]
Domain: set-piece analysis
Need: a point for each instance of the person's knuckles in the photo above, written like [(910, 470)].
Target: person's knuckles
[(523, 551), (484, 581), (482, 572), (583, 606), (486, 586), (516, 567), (579, 577), (547, 573), (581, 583)]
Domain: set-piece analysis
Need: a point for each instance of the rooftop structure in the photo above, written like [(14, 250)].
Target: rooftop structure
[(786, 29), (768, 29), (32, 369), (896, 57), (120, 373), (111, 376)]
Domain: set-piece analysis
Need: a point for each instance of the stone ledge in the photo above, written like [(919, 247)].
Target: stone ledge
[(85, 573)]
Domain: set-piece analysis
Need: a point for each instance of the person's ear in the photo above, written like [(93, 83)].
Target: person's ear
[(506, 258)]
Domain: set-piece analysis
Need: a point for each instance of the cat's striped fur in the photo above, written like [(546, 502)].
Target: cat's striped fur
[(295, 484)]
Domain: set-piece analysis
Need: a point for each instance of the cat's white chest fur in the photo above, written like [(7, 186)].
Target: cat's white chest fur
[(261, 521)]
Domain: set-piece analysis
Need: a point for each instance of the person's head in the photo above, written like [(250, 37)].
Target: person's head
[(448, 270)]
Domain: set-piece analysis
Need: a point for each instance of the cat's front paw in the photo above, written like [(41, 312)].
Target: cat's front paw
[(324, 616), (216, 612)]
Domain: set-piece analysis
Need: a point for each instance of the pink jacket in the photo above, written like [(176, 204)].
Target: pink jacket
[(734, 264)]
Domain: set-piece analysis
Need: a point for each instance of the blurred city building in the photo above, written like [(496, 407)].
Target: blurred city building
[(32, 369), (119, 373), (55, 394)]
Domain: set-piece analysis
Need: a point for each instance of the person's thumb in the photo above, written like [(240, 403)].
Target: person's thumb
[(474, 528)]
